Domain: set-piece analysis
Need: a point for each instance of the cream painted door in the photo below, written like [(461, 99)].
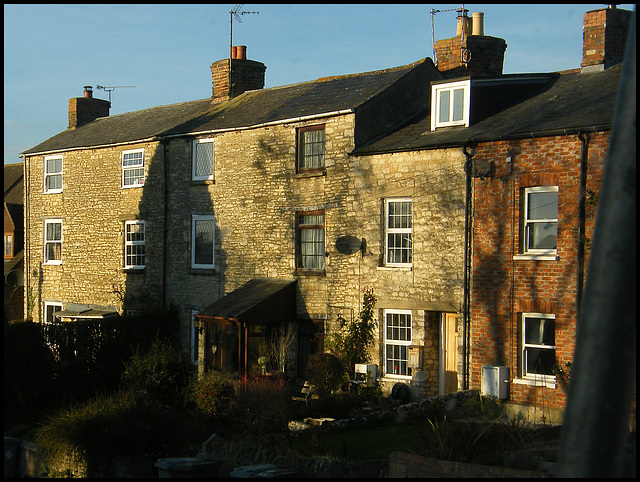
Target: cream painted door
[(450, 352)]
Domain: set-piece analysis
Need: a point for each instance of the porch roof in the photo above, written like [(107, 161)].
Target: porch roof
[(260, 301)]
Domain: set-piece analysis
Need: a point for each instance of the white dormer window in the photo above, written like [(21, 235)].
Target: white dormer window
[(450, 104)]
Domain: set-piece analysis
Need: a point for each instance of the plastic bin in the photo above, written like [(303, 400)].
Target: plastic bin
[(10, 456), (186, 467), (263, 471)]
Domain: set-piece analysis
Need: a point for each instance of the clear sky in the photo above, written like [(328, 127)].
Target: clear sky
[(165, 51)]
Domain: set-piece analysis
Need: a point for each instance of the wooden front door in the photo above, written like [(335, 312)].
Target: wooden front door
[(450, 352)]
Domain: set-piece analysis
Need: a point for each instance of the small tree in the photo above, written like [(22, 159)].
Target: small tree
[(351, 344)]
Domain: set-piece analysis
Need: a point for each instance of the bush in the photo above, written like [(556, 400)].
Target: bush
[(123, 424), (263, 405), (213, 393), (325, 371), (336, 405), (162, 371)]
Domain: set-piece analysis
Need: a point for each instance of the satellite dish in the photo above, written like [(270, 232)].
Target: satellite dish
[(15, 278), (349, 244)]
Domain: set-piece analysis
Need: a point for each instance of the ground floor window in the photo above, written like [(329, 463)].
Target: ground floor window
[(397, 341), (538, 346)]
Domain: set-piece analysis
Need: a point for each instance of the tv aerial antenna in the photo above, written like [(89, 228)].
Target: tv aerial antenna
[(112, 88), (433, 34), (234, 14)]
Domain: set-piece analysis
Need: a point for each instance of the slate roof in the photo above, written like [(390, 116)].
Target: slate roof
[(13, 183), (251, 108), (571, 103)]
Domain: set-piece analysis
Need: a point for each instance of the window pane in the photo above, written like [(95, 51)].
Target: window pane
[(540, 331), (396, 362), (203, 159), (458, 104), (54, 231), (443, 115), (540, 361), (132, 159), (312, 149), (203, 241), (542, 235), (542, 205), (399, 248), (135, 232), (312, 248)]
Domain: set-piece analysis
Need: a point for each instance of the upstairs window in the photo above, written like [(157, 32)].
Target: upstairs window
[(202, 160), (311, 148), (134, 244), (53, 174), (53, 241), (133, 168), (310, 240), (399, 232), (540, 223), (8, 245), (450, 104), (202, 241)]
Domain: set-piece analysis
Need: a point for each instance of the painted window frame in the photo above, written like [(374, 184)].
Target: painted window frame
[(303, 164), (195, 219), (529, 223), (438, 92), (399, 343), (133, 243), (317, 245), (126, 169), (194, 163), (54, 174), (53, 241), (194, 338), (395, 231), (547, 379), (9, 240)]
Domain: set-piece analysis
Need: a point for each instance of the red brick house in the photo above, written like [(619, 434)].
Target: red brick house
[(13, 242), (535, 146)]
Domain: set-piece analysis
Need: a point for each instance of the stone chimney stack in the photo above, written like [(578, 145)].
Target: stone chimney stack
[(245, 75), (83, 110), (604, 37), (470, 52)]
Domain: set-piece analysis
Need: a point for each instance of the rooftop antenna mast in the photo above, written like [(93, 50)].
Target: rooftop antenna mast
[(113, 87), (234, 14), (433, 34)]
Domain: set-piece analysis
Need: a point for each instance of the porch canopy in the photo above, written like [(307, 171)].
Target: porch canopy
[(235, 324), (263, 301), (76, 311)]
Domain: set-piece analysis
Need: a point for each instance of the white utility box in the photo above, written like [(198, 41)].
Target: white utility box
[(366, 373), (495, 382)]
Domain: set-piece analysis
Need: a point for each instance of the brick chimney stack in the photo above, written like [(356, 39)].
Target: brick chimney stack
[(83, 110), (604, 37), (470, 52), (245, 75)]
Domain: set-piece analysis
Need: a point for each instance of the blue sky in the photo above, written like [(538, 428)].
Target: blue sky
[(165, 51)]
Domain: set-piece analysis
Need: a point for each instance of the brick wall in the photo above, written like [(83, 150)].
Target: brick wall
[(503, 286)]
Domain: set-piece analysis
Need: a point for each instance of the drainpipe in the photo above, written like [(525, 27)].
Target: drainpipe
[(164, 143), (584, 139), (468, 167)]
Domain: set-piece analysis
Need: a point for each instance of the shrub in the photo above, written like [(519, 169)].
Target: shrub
[(262, 405), (126, 423), (336, 405), (213, 393), (325, 371), (162, 371)]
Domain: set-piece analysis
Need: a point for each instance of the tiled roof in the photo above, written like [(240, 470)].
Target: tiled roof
[(249, 109), (572, 102), (13, 183)]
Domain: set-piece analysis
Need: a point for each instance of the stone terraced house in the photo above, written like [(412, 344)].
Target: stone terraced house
[(258, 209)]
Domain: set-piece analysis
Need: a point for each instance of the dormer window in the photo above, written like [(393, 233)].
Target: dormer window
[(450, 104)]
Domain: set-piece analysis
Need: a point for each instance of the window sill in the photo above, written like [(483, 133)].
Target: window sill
[(202, 182), (544, 381), (302, 175), (311, 272), (134, 270), (536, 257), (204, 271), (393, 377), (395, 268)]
